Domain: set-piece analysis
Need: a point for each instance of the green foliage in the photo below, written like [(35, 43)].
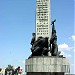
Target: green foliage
[(9, 68), (0, 69)]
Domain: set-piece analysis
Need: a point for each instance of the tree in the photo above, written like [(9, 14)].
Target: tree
[(0, 69), (8, 69)]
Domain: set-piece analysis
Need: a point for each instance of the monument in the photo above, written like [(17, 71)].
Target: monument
[(45, 58)]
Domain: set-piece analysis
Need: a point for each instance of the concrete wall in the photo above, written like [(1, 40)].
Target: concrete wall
[(47, 64), (69, 74)]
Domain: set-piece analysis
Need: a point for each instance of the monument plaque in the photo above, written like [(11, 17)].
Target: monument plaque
[(42, 18), (44, 42)]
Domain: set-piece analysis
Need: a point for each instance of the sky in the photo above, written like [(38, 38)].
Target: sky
[(17, 23)]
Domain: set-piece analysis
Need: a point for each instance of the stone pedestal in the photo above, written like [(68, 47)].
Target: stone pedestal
[(47, 65)]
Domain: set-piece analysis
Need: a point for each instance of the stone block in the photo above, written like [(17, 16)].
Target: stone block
[(47, 64)]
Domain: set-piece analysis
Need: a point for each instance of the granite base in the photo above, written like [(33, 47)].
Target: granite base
[(45, 73)]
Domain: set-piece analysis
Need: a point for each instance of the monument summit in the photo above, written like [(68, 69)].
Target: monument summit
[(43, 18), (45, 58)]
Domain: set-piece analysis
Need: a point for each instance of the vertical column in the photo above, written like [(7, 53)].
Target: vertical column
[(42, 18)]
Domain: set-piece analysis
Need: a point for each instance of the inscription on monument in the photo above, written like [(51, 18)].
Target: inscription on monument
[(42, 18)]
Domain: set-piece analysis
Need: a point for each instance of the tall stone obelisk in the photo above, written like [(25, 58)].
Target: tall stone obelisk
[(42, 18)]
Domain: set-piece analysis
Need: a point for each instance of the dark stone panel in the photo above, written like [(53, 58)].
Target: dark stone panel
[(45, 73)]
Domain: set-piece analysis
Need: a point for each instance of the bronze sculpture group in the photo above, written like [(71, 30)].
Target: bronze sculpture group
[(41, 46)]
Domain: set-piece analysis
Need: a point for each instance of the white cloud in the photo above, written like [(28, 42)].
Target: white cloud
[(72, 68), (68, 55), (65, 54), (62, 53), (74, 50), (23, 62), (63, 47), (73, 37), (72, 64)]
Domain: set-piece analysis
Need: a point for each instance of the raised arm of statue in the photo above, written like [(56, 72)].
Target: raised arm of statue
[(53, 27), (52, 23)]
